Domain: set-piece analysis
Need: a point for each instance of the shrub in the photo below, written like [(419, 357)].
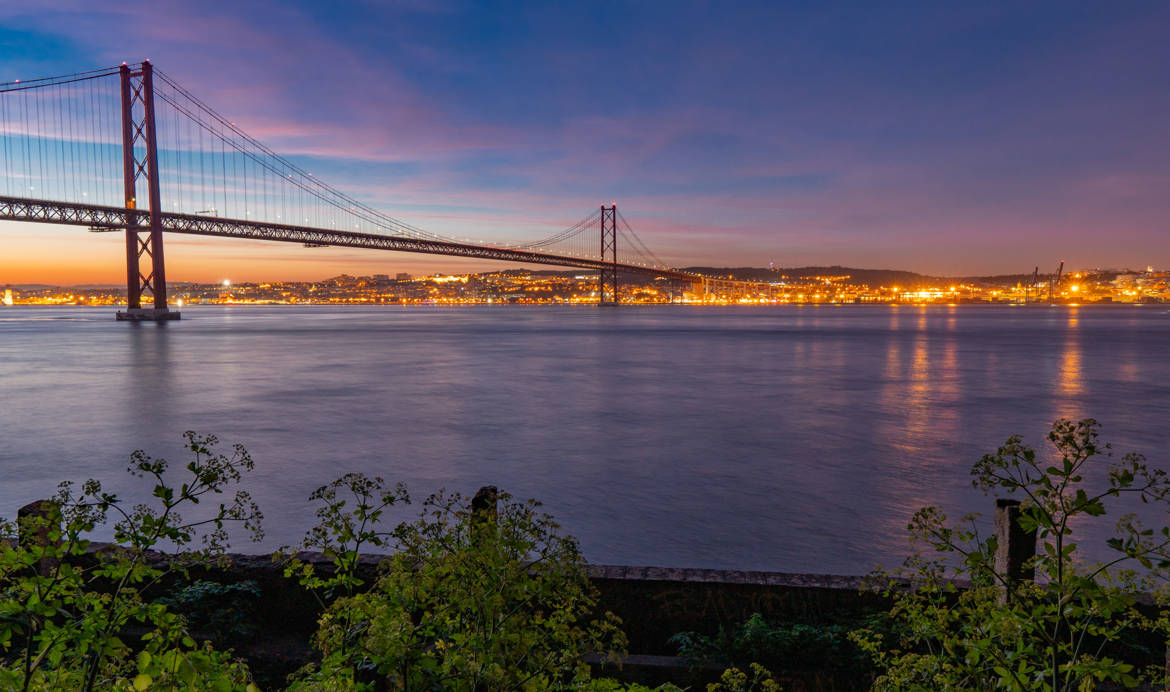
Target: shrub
[(778, 646), (494, 600), (1076, 626), (225, 612), (735, 680), (64, 613), (347, 521)]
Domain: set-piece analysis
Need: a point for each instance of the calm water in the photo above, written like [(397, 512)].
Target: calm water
[(790, 438)]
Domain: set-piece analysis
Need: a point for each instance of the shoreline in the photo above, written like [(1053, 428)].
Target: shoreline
[(867, 304)]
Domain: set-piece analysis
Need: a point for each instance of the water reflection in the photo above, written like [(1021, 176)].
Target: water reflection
[(917, 406), (797, 439), (1070, 384), (148, 382)]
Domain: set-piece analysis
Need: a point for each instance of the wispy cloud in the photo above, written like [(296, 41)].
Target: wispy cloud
[(881, 136)]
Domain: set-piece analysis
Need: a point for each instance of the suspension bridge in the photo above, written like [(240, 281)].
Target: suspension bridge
[(128, 149)]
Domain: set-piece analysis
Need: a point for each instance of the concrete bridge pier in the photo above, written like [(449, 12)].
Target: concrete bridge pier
[(147, 315)]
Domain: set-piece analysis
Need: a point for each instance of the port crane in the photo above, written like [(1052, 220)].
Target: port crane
[(1054, 283), (1029, 287)]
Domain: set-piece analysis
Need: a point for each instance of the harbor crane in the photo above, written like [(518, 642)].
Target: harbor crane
[(1035, 280), (1056, 282)]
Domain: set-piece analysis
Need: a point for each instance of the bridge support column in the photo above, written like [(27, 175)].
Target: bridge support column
[(607, 291), (144, 244)]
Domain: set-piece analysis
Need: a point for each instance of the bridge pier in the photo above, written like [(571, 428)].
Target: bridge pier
[(147, 315), (144, 244)]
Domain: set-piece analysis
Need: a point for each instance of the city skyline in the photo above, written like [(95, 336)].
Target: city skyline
[(969, 141)]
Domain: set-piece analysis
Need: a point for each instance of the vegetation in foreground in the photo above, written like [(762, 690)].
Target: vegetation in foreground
[(488, 594), (72, 619), (1078, 625)]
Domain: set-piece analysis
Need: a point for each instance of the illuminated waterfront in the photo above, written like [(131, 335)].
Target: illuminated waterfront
[(811, 286), (786, 438)]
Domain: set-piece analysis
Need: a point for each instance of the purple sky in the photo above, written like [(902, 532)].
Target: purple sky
[(946, 139)]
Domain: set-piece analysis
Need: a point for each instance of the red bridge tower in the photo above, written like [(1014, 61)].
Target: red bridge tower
[(144, 243)]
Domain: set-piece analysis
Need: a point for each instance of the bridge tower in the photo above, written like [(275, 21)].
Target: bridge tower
[(144, 243), (608, 286)]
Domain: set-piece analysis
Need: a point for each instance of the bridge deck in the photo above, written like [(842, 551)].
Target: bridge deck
[(94, 216)]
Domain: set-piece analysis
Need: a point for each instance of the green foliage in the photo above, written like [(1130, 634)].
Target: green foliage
[(226, 612), (787, 646), (171, 660), (735, 680), (732, 680), (470, 601), (347, 521), (611, 685), (1073, 627), (64, 611)]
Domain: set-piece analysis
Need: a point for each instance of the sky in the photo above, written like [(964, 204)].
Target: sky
[(944, 138)]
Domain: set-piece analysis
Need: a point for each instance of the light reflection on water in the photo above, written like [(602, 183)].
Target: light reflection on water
[(1070, 384), (794, 438)]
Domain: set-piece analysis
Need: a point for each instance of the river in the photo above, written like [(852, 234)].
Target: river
[(783, 438)]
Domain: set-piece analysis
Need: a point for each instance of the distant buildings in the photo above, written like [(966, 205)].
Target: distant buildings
[(554, 287)]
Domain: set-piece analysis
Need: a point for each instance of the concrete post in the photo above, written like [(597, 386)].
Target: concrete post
[(38, 513), (483, 505), (1013, 545), (484, 516), (41, 509)]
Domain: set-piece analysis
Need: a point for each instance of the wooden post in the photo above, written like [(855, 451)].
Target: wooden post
[(1014, 546)]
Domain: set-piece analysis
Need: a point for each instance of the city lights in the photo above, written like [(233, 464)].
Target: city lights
[(573, 287)]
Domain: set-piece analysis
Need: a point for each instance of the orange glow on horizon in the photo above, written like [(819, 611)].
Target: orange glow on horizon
[(69, 256)]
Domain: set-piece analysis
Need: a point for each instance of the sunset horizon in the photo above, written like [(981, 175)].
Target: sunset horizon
[(1041, 140)]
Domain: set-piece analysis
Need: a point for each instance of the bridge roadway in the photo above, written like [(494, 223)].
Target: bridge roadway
[(113, 218)]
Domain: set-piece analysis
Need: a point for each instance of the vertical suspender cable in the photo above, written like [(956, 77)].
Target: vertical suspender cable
[(74, 114), (87, 133), (202, 174), (74, 149), (4, 133), (38, 188), (26, 126), (42, 150), (247, 174), (223, 176), (56, 154), (62, 155)]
